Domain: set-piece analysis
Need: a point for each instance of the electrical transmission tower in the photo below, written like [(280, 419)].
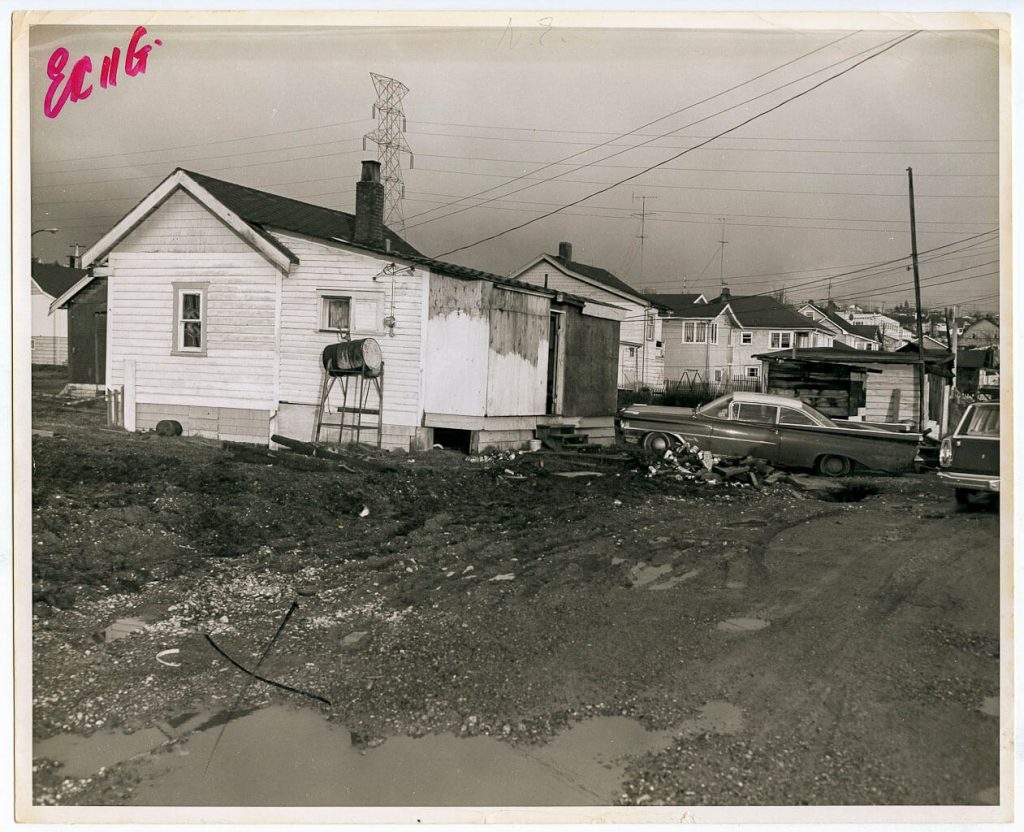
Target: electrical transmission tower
[(390, 140)]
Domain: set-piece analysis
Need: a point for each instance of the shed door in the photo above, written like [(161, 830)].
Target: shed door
[(552, 405), (99, 369)]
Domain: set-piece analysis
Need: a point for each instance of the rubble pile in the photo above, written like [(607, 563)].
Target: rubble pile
[(688, 462)]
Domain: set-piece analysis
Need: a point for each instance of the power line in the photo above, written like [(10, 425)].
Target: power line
[(695, 147), (662, 118)]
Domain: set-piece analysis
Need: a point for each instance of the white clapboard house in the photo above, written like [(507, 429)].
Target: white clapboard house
[(221, 299)]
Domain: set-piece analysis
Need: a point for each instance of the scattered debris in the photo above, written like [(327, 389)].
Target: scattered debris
[(123, 627), (508, 576), (573, 474), (365, 512), (354, 639), (172, 652)]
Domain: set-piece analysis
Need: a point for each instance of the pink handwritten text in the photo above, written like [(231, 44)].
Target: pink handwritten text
[(73, 86)]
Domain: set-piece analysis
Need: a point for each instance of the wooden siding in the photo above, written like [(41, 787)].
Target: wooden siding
[(647, 367), (589, 384), (181, 224), (338, 271), (227, 423), (891, 396), (183, 242)]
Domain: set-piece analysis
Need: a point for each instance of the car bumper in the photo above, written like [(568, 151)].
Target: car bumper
[(978, 482)]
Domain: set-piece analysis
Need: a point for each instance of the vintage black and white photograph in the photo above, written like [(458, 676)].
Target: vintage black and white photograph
[(596, 412)]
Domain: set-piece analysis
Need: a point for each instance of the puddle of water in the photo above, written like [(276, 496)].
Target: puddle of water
[(278, 756), (742, 625), (82, 756), (643, 573), (990, 706)]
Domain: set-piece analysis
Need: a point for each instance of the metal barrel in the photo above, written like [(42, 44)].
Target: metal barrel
[(353, 357)]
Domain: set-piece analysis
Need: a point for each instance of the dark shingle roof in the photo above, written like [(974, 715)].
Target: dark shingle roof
[(596, 273), (263, 209), (752, 311), (55, 279), (673, 302)]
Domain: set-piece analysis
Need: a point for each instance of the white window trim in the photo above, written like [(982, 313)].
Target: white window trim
[(753, 372), (746, 337), (181, 288), (712, 330), (321, 311), (780, 333), (649, 327)]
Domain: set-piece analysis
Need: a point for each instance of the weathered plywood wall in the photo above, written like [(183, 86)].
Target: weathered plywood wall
[(891, 396), (591, 348), (456, 355), (517, 352)]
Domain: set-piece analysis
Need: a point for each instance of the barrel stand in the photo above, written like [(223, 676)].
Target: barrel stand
[(357, 384)]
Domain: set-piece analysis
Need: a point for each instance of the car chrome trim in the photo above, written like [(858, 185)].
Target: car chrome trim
[(983, 482)]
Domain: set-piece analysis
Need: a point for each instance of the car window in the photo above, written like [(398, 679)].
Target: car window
[(984, 422), (750, 412), (716, 409), (789, 416)]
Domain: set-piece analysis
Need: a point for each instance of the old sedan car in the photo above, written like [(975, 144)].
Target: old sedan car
[(969, 457), (781, 430)]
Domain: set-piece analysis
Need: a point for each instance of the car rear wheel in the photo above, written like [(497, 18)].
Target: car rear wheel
[(831, 465), (657, 443)]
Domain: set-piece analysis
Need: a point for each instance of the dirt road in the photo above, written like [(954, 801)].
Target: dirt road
[(783, 648)]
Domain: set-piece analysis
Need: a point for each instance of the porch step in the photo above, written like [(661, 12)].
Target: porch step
[(565, 438)]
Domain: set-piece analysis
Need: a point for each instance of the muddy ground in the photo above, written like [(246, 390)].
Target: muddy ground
[(858, 640)]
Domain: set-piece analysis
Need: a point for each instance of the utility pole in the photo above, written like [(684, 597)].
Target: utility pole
[(390, 140), (921, 374)]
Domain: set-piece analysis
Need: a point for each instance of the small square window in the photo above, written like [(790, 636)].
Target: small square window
[(752, 372), (746, 337), (335, 313)]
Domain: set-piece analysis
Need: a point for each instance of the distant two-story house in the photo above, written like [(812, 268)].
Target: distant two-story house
[(858, 336), (894, 334), (641, 350), (982, 333), (716, 341)]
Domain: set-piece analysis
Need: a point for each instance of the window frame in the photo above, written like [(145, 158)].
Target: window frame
[(181, 289), (746, 337), (788, 333), (712, 332), (323, 305), (753, 372), (649, 327)]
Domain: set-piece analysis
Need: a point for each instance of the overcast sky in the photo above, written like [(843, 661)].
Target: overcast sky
[(816, 187)]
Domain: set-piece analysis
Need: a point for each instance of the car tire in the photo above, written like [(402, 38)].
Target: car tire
[(962, 495), (832, 465), (657, 443)]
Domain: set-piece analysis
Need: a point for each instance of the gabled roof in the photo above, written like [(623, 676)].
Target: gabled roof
[(752, 312), (255, 214), (676, 302), (55, 279), (597, 273), (860, 330), (267, 210)]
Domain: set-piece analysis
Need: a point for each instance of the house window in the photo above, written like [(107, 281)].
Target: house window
[(695, 332), (718, 375), (650, 327), (712, 333), (752, 372), (781, 340), (190, 318), (746, 337), (335, 314)]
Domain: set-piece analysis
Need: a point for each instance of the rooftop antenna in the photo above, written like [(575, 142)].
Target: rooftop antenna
[(390, 140), (721, 260), (642, 236)]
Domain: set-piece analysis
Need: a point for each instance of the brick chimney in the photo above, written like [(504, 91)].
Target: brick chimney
[(565, 251), (725, 293), (369, 229)]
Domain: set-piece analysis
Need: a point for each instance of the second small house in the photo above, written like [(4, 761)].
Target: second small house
[(641, 351), (715, 343), (233, 312)]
